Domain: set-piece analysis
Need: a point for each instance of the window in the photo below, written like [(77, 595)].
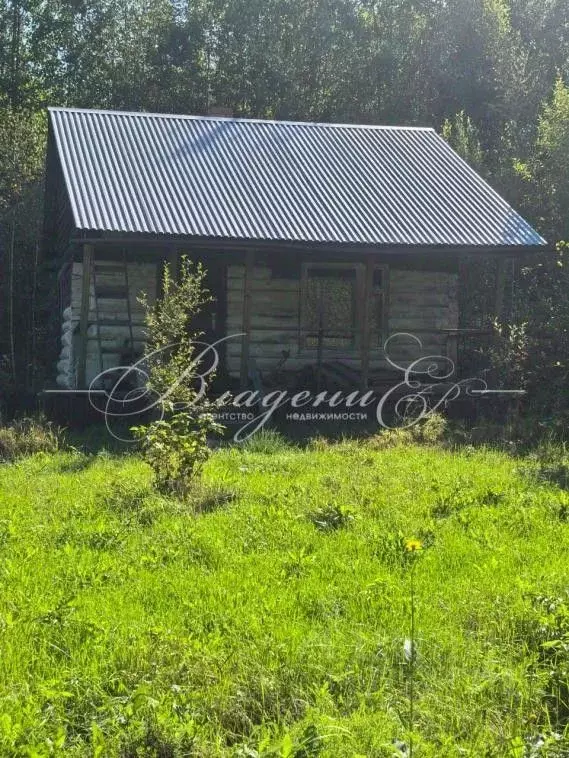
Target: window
[(332, 306)]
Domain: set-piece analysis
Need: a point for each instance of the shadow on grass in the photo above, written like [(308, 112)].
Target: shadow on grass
[(75, 465), (207, 498), (96, 439), (549, 466)]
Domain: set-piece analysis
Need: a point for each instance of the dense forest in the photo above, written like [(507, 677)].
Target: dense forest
[(491, 75)]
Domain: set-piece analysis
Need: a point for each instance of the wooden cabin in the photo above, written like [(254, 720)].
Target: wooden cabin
[(320, 240)]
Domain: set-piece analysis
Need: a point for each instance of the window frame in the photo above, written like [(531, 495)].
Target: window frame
[(359, 269)]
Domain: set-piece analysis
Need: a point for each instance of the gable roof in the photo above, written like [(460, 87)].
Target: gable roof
[(240, 179)]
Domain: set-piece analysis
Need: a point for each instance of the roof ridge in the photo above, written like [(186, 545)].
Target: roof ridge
[(235, 119)]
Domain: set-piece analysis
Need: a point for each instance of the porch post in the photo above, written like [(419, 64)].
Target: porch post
[(173, 261), (88, 256), (246, 324), (365, 335), (452, 349)]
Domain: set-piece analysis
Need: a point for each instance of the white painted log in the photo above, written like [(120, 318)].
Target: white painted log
[(67, 338), (63, 366), (119, 331), (65, 381)]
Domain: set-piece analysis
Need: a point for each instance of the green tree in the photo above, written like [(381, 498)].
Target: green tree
[(175, 446), (551, 162)]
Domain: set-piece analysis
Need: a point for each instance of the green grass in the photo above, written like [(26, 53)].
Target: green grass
[(268, 617)]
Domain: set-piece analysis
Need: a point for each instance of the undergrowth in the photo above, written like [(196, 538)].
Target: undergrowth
[(27, 436)]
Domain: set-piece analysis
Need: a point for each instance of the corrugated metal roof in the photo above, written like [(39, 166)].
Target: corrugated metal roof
[(275, 180)]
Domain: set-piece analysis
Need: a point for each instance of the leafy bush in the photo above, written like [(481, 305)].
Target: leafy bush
[(541, 351), (430, 431), (176, 446), (28, 436), (170, 347), (509, 355), (391, 438), (176, 449)]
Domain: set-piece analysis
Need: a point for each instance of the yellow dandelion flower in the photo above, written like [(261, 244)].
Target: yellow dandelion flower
[(413, 545)]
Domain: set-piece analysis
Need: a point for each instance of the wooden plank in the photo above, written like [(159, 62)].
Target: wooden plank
[(246, 325), (387, 303), (259, 273), (262, 283), (264, 303), (452, 349), (88, 255), (296, 364), (264, 274), (264, 322), (366, 313)]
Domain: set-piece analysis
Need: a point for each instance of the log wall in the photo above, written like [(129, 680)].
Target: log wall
[(113, 337), (423, 303)]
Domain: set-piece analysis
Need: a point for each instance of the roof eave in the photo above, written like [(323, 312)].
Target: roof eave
[(230, 243)]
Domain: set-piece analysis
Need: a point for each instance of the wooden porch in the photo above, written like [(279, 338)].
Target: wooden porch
[(265, 305)]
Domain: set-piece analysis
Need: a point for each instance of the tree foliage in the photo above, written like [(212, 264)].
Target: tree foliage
[(171, 343)]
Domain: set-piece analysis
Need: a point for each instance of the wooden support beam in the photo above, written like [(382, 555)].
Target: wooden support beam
[(174, 262), (88, 257), (452, 351), (500, 288), (221, 312), (366, 322), (246, 324)]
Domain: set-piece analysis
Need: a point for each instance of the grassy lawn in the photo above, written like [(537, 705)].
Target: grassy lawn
[(269, 618)]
